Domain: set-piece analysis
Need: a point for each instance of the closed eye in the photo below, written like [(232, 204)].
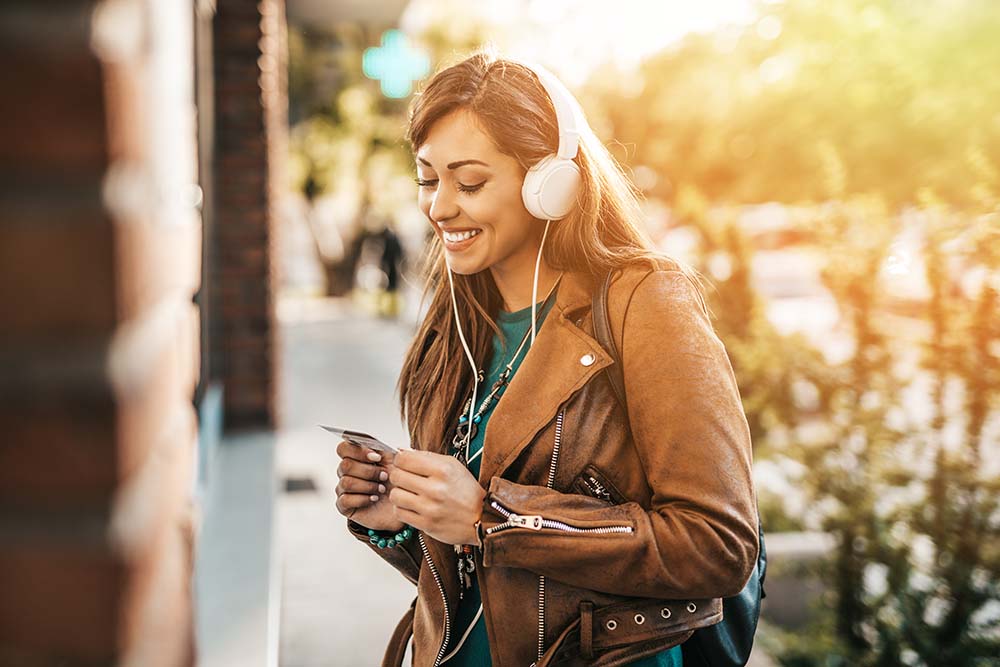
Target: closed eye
[(471, 188), (432, 183)]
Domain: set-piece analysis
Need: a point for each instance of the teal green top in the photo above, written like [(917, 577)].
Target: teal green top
[(469, 621)]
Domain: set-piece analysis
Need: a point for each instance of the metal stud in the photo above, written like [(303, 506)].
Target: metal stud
[(639, 619), (692, 607), (665, 612), (611, 624), (588, 359)]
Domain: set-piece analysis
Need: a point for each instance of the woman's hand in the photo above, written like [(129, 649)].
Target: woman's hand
[(362, 488), (435, 493)]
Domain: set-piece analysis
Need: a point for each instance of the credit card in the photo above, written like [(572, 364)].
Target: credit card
[(359, 438)]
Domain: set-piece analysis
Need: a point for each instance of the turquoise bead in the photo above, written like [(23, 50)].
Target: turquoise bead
[(373, 539), (391, 544), (381, 543), (478, 419), (400, 537), (463, 419)]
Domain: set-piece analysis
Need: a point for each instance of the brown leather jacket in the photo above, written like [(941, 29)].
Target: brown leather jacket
[(608, 537)]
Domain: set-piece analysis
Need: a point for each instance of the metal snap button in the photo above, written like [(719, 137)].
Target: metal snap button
[(587, 359), (692, 607), (611, 624), (639, 619), (665, 612)]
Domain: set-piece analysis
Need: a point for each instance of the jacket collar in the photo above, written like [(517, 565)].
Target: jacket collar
[(562, 360), (576, 290)]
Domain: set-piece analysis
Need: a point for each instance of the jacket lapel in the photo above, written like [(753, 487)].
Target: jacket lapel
[(562, 360)]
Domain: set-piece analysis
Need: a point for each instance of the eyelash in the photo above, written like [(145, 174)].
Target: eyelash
[(471, 189)]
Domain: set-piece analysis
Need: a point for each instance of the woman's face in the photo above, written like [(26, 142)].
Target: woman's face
[(467, 186)]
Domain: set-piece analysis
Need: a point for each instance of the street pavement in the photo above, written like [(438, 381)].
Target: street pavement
[(340, 602)]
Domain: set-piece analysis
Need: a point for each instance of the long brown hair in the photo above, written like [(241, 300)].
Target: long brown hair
[(605, 230)]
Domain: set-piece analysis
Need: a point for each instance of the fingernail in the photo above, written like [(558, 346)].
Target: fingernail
[(374, 499), (381, 488), (383, 476), (374, 456)]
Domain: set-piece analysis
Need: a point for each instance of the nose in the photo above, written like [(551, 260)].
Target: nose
[(443, 205)]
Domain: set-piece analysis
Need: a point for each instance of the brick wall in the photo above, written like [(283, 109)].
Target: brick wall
[(251, 128), (99, 259)]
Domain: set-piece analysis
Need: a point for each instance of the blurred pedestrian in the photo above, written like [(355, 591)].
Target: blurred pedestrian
[(391, 263)]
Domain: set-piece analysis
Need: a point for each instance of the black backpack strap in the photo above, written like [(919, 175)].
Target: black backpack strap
[(602, 329)]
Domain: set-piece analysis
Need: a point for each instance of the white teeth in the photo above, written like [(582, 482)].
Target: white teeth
[(453, 237)]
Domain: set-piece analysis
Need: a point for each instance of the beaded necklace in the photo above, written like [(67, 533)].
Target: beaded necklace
[(466, 431)]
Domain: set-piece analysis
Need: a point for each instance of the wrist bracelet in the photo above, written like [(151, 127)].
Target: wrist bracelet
[(389, 541)]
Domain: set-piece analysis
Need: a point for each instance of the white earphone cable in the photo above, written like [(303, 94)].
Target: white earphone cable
[(461, 334), (534, 284), (465, 345)]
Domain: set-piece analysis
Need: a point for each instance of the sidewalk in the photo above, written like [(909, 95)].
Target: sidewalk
[(340, 602)]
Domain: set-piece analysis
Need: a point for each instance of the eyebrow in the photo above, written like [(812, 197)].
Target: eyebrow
[(455, 165)]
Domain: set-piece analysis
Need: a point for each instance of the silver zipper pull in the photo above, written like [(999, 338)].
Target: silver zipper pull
[(531, 521)]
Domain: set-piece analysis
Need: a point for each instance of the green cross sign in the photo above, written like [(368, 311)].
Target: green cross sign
[(395, 64)]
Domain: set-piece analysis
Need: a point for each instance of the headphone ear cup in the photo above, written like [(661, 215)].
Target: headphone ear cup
[(550, 188)]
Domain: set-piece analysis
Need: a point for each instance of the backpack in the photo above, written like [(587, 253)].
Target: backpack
[(728, 642)]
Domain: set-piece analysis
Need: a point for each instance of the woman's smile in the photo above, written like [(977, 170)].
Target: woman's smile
[(470, 192), (458, 241)]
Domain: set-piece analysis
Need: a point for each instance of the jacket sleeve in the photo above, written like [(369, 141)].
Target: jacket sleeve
[(406, 558), (699, 538)]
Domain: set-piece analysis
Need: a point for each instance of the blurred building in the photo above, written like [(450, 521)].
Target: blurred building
[(141, 150)]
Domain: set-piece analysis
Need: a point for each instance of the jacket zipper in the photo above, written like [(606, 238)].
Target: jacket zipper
[(541, 578), (535, 522), (444, 599)]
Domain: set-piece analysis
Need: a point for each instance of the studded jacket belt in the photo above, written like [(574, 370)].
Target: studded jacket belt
[(629, 624)]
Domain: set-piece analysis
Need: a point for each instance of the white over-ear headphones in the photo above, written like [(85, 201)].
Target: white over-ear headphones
[(551, 185), (549, 193)]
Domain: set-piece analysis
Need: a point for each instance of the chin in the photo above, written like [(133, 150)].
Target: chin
[(465, 267), (467, 263)]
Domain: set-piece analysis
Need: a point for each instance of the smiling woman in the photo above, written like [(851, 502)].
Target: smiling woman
[(543, 522), (473, 206)]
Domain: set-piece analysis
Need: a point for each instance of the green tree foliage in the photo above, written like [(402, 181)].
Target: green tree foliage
[(818, 100), (897, 440)]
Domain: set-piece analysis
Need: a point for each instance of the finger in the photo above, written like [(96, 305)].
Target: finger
[(419, 462), (373, 456), (353, 468), (367, 471), (405, 479), (405, 499), (349, 502), (348, 450), (355, 485)]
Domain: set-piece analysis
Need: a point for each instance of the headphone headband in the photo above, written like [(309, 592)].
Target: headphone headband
[(551, 185), (569, 117)]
